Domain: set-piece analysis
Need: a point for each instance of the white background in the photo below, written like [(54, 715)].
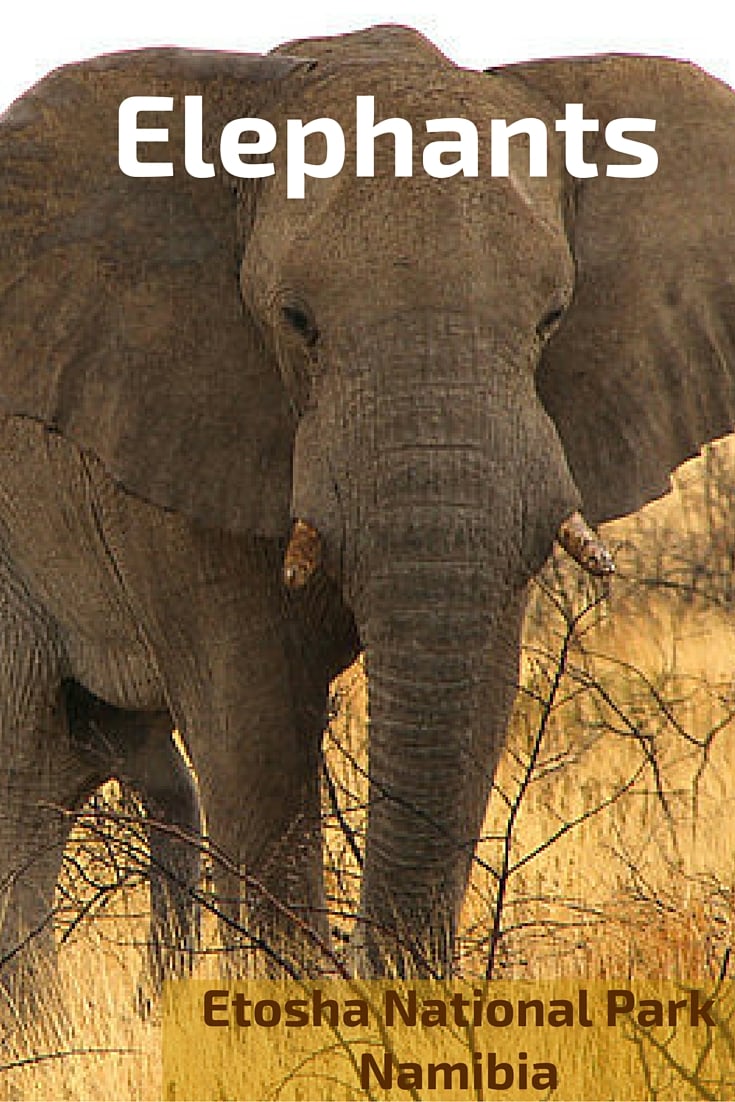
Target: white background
[(37, 35)]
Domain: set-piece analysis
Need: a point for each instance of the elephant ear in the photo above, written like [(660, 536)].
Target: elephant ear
[(641, 371), (121, 322)]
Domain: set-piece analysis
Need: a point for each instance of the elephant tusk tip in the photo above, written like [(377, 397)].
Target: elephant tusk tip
[(600, 563), (585, 547), (303, 555)]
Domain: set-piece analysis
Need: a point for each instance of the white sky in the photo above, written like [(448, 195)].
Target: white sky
[(37, 36)]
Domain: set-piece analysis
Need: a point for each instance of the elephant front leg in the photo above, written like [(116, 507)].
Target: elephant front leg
[(261, 795), (215, 612)]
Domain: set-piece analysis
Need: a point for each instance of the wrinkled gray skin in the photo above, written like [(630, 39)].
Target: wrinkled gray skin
[(433, 374)]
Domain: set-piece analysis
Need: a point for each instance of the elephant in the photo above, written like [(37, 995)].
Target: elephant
[(246, 437)]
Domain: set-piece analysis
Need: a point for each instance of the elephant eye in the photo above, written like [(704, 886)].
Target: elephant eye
[(301, 321), (549, 322)]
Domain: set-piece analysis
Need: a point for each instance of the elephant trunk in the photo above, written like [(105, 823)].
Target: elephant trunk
[(438, 613), (445, 484), (433, 750)]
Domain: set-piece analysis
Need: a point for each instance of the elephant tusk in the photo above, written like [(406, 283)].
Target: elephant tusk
[(585, 546), (303, 555)]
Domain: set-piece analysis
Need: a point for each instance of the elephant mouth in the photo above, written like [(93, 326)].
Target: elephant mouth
[(304, 551)]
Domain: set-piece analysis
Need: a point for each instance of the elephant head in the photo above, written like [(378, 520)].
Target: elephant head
[(430, 377)]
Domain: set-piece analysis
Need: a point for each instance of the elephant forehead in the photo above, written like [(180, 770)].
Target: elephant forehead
[(359, 249), (475, 229), (430, 98), (415, 90)]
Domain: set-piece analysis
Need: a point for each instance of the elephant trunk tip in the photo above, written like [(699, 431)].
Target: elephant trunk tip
[(303, 555), (585, 546)]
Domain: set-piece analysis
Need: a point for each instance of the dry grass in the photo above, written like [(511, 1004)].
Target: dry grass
[(91, 1042), (622, 857)]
